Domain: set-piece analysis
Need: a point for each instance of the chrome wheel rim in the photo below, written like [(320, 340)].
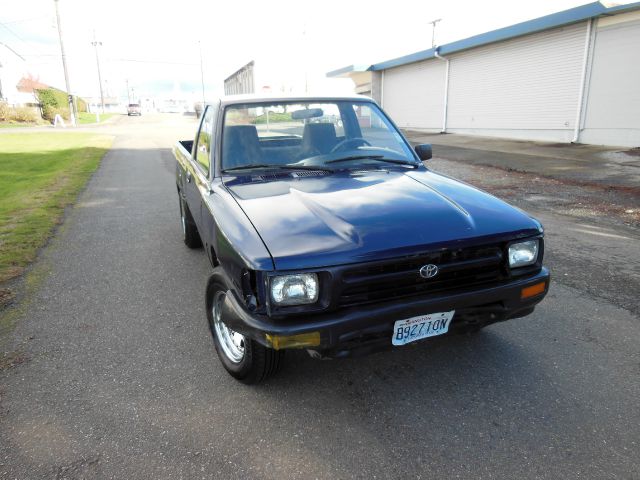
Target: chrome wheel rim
[(231, 342)]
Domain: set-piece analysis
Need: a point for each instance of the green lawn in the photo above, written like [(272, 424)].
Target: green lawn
[(85, 117), (40, 174)]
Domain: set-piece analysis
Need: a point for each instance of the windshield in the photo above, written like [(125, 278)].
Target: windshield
[(339, 134)]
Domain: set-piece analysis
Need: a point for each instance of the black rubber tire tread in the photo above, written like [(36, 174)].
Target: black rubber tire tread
[(191, 236), (259, 362)]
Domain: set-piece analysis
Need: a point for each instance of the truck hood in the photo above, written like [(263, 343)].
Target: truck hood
[(351, 217)]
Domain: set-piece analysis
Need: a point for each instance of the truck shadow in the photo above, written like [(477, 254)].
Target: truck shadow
[(437, 364), (436, 396), (460, 371)]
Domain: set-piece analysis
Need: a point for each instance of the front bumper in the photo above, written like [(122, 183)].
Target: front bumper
[(368, 328)]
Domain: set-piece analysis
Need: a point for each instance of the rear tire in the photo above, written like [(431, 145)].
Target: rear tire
[(190, 234), (244, 359)]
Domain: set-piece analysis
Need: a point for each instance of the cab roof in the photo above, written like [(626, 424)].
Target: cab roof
[(262, 98)]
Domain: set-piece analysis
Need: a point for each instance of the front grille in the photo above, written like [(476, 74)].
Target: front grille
[(397, 278)]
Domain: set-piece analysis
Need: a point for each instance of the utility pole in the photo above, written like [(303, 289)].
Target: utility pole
[(201, 73), (97, 44), (433, 31), (72, 112), (128, 93)]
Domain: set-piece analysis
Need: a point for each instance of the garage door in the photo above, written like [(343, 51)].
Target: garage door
[(414, 94), (612, 112), (522, 88)]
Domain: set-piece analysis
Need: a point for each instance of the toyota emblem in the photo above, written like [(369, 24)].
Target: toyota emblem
[(429, 271)]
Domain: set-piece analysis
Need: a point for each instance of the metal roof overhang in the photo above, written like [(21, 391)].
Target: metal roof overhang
[(555, 20)]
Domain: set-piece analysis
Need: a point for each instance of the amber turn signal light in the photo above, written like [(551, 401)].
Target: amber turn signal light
[(301, 340), (533, 290)]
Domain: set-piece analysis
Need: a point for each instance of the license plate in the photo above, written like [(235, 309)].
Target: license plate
[(416, 328)]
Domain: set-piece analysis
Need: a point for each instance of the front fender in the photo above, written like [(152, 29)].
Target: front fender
[(235, 240)]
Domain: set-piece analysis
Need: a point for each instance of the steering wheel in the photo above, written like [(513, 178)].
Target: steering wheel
[(348, 141)]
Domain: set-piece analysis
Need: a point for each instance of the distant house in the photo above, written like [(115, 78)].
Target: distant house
[(27, 90), (111, 105)]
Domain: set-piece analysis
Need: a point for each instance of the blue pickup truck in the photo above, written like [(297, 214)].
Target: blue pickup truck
[(327, 232)]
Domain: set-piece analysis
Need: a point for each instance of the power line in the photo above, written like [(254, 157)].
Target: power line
[(41, 55), (16, 53), (4, 25), (136, 60), (133, 60), (24, 20)]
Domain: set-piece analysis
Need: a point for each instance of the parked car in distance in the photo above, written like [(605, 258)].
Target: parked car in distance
[(134, 109), (327, 232)]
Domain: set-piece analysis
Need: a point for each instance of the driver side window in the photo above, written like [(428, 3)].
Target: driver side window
[(376, 130), (205, 141)]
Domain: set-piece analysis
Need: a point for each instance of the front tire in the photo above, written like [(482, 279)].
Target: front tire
[(190, 234), (244, 359)]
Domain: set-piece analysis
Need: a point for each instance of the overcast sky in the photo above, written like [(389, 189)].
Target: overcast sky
[(154, 44)]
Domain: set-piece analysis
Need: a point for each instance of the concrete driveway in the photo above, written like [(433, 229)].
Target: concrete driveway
[(119, 377), (574, 163)]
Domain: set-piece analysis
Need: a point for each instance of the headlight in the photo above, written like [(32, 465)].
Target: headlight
[(294, 289), (523, 253)]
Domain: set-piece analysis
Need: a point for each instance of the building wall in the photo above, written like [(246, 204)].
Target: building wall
[(241, 81), (362, 82), (376, 86), (526, 87), (529, 87), (612, 99), (413, 95)]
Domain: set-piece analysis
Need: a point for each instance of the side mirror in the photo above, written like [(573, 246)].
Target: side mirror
[(424, 151)]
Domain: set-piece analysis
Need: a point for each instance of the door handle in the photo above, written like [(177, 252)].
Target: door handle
[(188, 176)]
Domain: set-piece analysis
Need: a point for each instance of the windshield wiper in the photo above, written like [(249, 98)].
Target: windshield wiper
[(279, 167), (379, 158)]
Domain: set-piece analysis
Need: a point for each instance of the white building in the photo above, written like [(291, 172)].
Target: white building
[(240, 81), (111, 105), (269, 75), (573, 76)]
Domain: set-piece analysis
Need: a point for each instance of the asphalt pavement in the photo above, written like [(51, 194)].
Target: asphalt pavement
[(617, 167), (120, 379)]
